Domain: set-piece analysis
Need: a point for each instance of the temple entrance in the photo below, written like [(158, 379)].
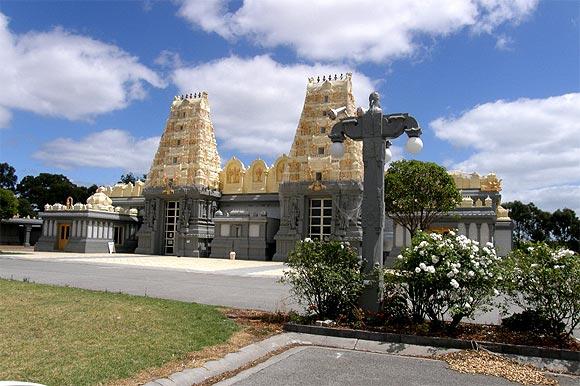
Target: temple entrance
[(63, 236), (171, 218)]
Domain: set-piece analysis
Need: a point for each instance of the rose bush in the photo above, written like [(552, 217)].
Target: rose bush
[(546, 281), (325, 277), (446, 274)]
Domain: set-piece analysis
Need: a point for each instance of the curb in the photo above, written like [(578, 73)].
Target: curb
[(502, 348)]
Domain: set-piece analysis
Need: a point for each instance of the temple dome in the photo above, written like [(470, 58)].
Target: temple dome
[(99, 198)]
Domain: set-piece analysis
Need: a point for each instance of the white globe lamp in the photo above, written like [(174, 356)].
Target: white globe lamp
[(414, 145), (388, 154), (337, 149)]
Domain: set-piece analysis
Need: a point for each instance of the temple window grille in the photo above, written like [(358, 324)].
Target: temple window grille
[(171, 218), (320, 218)]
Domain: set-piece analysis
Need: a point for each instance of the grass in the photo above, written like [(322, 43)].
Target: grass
[(66, 336)]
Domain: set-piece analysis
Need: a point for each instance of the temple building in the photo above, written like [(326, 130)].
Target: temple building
[(191, 206)]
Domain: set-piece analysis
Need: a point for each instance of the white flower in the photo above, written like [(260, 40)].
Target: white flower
[(423, 244), (308, 240), (450, 274), (400, 257), (530, 249), (470, 299), (417, 270), (457, 265), (430, 269), (423, 266), (451, 233), (488, 244), (534, 265), (470, 273), (455, 271), (557, 267), (435, 259), (467, 305), (341, 246), (495, 292), (454, 283)]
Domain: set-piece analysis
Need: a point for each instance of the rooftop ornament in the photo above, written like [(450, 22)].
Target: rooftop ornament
[(375, 130)]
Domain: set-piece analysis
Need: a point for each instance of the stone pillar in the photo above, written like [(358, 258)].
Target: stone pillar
[(27, 236), (73, 228), (45, 228), (54, 228)]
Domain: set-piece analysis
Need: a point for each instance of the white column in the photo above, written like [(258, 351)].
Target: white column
[(84, 229), (54, 230), (73, 228), (484, 233), (399, 236), (45, 228), (473, 231), (100, 230)]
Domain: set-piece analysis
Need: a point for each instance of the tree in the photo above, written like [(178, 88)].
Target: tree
[(416, 193), (25, 208), (130, 177), (565, 228), (49, 188), (8, 204), (7, 176)]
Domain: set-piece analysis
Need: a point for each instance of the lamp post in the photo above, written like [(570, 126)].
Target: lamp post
[(375, 130)]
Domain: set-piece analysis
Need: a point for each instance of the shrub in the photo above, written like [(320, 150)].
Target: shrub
[(446, 274), (325, 277), (546, 281), (530, 321)]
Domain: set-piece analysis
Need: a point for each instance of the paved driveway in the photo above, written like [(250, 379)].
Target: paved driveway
[(237, 284)]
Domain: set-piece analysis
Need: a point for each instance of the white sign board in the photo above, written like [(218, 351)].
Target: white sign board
[(111, 245)]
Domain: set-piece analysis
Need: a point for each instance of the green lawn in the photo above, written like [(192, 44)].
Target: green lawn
[(66, 336)]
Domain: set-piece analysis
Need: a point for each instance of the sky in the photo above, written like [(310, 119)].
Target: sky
[(86, 86)]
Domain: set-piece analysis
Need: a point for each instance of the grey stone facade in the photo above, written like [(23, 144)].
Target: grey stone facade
[(191, 228), (250, 236), (295, 212)]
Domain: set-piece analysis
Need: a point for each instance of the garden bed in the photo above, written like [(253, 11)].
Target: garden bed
[(468, 336)]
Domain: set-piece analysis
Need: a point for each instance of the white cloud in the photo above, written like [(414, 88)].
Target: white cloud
[(533, 144), (366, 30), (111, 148), (5, 117), (256, 102), (60, 74)]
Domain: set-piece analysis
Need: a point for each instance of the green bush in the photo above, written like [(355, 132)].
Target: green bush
[(446, 274), (546, 281), (325, 277)]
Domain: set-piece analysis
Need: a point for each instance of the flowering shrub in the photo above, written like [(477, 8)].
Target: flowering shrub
[(326, 277), (546, 281), (447, 273)]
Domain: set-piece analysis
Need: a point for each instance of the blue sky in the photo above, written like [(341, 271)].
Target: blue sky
[(85, 87)]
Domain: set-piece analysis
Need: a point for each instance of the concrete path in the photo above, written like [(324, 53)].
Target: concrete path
[(320, 360)]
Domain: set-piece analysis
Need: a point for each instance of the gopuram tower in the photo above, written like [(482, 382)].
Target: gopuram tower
[(182, 185), (310, 158), (320, 196)]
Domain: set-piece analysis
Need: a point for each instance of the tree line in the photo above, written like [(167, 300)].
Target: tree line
[(28, 196)]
